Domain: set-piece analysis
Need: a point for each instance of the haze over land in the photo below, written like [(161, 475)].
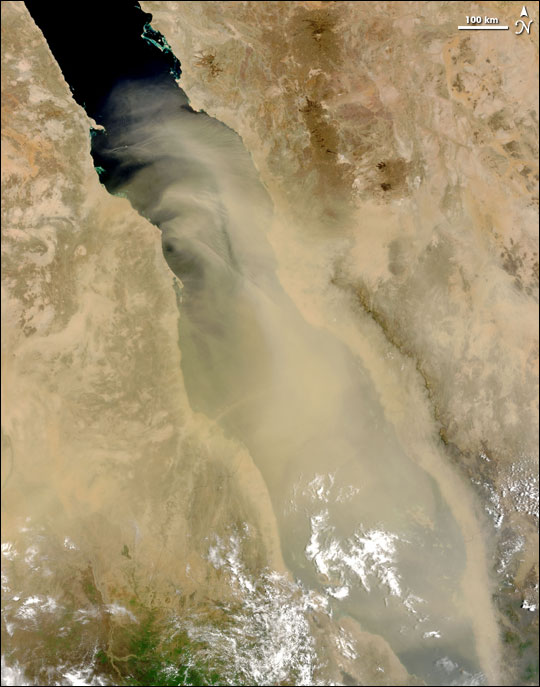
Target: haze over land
[(296, 430)]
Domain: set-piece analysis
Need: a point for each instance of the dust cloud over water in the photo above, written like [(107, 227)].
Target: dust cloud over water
[(361, 522)]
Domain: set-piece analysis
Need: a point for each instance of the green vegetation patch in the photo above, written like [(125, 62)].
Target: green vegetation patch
[(159, 654)]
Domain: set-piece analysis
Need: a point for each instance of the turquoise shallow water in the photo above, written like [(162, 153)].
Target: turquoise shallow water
[(361, 524), (360, 521)]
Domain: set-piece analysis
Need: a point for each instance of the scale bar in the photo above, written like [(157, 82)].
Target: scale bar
[(483, 28)]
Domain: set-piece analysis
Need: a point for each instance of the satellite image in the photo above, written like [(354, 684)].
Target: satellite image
[(269, 343)]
